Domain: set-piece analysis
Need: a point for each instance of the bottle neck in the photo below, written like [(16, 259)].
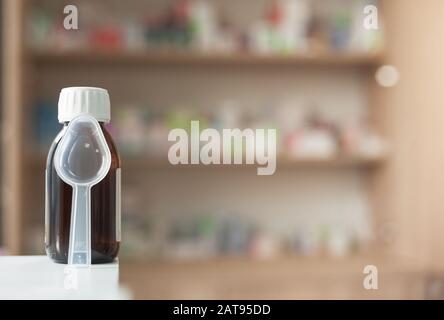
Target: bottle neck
[(101, 124)]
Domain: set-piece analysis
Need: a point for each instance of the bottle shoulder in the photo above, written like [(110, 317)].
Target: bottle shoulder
[(115, 161)]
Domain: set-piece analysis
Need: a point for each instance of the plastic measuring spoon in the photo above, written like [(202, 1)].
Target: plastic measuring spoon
[(82, 159)]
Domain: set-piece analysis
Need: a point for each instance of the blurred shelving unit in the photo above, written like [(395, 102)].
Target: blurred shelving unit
[(28, 73), (39, 64)]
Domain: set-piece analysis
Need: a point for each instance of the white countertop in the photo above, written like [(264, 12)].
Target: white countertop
[(37, 277)]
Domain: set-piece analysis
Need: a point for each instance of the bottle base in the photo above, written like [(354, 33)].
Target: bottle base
[(97, 258)]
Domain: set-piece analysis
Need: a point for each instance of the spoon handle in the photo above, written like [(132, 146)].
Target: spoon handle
[(80, 233)]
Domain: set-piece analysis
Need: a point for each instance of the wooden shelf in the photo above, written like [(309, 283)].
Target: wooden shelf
[(337, 161), (344, 161), (282, 162), (197, 58)]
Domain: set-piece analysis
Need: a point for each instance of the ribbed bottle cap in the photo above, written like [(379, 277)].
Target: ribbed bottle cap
[(74, 101)]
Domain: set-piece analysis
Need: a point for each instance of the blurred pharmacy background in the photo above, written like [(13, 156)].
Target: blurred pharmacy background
[(358, 113)]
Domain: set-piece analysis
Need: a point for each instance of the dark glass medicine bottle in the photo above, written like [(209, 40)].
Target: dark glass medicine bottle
[(105, 196)]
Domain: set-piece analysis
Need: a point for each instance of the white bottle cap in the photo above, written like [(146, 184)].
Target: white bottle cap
[(74, 101)]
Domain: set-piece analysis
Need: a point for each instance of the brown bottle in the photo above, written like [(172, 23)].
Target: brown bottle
[(105, 196)]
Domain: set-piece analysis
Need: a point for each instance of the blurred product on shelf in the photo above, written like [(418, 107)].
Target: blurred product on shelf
[(45, 125), (224, 233), (140, 131), (285, 27), (300, 134)]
